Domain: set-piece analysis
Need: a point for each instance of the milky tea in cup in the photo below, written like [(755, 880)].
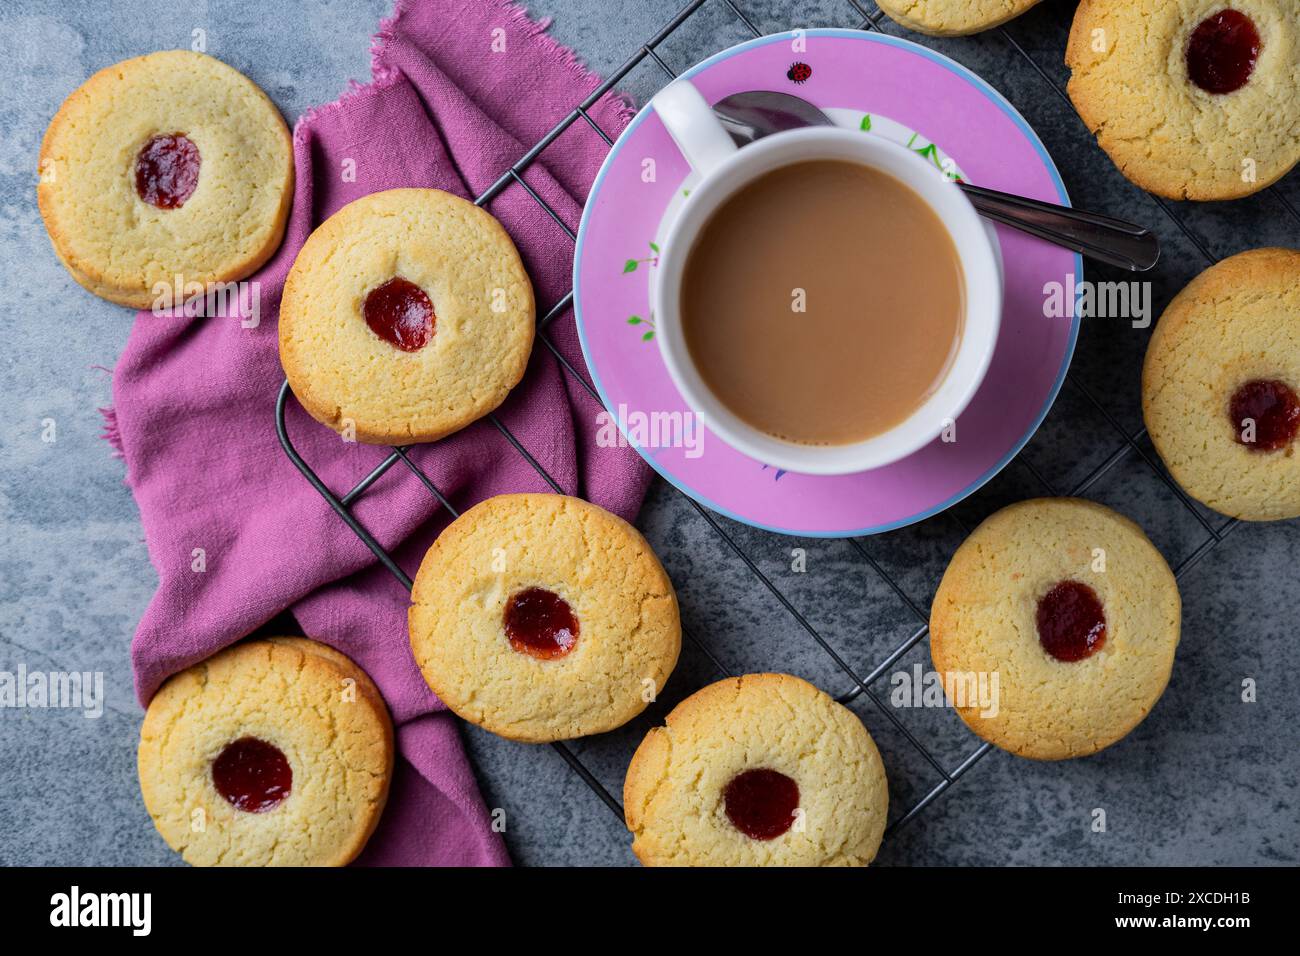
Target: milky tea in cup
[(822, 303)]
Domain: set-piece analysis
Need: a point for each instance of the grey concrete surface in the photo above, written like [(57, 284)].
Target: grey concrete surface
[(1207, 779)]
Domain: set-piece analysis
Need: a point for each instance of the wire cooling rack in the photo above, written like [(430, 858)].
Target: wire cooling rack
[(861, 683)]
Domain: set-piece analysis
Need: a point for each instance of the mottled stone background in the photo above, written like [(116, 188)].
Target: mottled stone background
[(1207, 779)]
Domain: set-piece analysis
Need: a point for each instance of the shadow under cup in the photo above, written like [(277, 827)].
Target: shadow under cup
[(827, 302)]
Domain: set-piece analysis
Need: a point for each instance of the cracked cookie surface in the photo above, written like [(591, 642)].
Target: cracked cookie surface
[(116, 244), (600, 567), (350, 378), (1133, 88), (313, 704), (950, 18), (1237, 322), (675, 793), (984, 621)]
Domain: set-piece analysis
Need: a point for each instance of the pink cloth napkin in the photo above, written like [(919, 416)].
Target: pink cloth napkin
[(460, 90)]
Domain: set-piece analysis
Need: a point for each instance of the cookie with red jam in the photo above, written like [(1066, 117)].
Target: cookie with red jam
[(407, 315), (273, 752), (1198, 99), (542, 617), (760, 770), (1067, 616), (164, 166), (1221, 386)]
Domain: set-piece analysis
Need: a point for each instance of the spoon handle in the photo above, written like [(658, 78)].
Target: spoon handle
[(1112, 241)]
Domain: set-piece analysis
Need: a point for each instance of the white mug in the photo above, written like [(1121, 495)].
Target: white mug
[(724, 169)]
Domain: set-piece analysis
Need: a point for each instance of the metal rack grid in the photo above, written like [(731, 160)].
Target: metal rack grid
[(1127, 444)]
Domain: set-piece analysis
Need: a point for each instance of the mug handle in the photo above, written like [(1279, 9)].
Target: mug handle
[(691, 123)]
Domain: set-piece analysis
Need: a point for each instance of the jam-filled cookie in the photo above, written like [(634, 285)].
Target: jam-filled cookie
[(406, 316), (1067, 617), (542, 617), (168, 165), (1198, 99), (953, 18), (1221, 386), (760, 770), (273, 752)]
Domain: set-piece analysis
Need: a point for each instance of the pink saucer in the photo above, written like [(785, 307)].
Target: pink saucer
[(887, 87)]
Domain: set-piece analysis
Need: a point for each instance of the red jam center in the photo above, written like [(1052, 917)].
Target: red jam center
[(253, 775), (1274, 409), (761, 803), (1222, 52), (401, 314), (167, 170), (1071, 623), (541, 623)]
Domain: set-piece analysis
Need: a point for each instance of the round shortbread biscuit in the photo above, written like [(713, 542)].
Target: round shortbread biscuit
[(1133, 88), (313, 704), (677, 793), (951, 18), (356, 382), (984, 623), (596, 564), (123, 248), (1235, 323)]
